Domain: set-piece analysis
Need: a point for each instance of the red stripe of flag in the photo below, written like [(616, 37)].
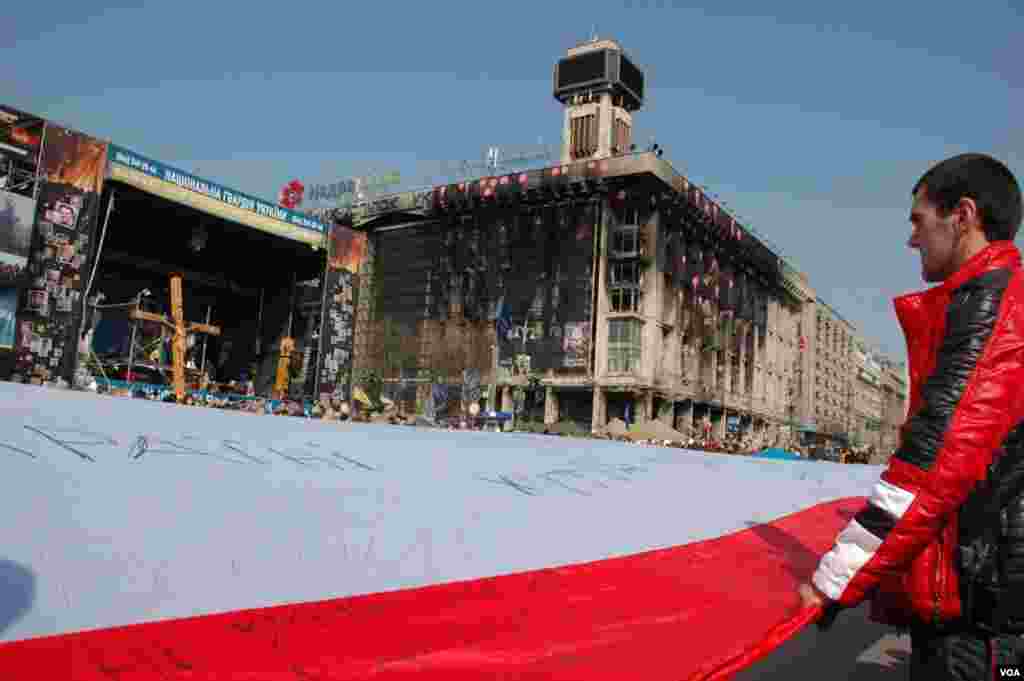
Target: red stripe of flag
[(699, 611)]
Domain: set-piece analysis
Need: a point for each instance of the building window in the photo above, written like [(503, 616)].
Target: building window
[(625, 273), (626, 241), (583, 136), (624, 284), (625, 299), (621, 137), (623, 345)]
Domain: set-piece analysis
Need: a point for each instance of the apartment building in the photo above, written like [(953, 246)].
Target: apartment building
[(866, 427), (833, 372), (895, 386)]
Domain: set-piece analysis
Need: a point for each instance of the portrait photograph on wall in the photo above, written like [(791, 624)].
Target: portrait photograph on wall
[(17, 214), (72, 169)]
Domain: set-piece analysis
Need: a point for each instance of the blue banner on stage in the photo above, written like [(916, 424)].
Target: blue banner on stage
[(234, 203)]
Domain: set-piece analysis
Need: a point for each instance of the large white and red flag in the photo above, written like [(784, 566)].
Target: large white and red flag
[(150, 541)]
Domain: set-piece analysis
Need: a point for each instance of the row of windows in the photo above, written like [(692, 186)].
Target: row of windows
[(832, 339), (624, 345), (626, 278)]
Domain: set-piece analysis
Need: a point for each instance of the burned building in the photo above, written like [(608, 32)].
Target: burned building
[(610, 280)]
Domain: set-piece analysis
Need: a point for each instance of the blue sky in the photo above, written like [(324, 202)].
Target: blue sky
[(812, 120)]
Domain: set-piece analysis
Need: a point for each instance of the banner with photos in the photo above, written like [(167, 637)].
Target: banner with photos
[(17, 215), (72, 167), (337, 336), (65, 221), (346, 252)]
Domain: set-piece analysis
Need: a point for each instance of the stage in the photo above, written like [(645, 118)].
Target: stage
[(255, 285)]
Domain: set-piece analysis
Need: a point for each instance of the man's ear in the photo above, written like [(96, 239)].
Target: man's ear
[(967, 213)]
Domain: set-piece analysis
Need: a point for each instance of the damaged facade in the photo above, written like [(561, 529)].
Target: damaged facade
[(611, 279), (624, 285)]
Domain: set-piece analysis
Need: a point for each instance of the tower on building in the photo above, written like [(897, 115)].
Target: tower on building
[(600, 88)]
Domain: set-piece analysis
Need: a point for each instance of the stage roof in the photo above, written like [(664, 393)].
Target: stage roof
[(160, 179)]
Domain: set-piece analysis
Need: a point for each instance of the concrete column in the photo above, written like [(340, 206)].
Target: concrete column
[(599, 413), (721, 429), (651, 362), (566, 136), (690, 370), (550, 406), (741, 380), (600, 279), (757, 387), (725, 381), (729, 351), (712, 380), (605, 117), (648, 407)]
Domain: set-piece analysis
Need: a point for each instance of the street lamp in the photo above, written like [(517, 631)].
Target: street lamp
[(523, 363)]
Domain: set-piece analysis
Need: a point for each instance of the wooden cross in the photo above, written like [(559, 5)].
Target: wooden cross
[(283, 368), (181, 329)]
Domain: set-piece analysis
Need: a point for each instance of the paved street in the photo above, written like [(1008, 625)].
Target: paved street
[(855, 649)]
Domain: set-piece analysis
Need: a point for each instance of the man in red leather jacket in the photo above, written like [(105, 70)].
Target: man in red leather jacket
[(939, 547)]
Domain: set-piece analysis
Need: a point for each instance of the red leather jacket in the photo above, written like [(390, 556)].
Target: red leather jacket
[(965, 342)]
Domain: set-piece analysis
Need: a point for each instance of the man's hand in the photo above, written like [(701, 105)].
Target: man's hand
[(810, 597)]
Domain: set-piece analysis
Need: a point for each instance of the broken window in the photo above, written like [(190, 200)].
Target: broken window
[(583, 136), (625, 300), (621, 137), (626, 242), (624, 347), (625, 273), (624, 283)]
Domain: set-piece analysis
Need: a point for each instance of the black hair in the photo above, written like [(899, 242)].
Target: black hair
[(985, 180)]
